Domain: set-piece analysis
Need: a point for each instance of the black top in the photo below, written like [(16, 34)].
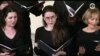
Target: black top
[(88, 40), (19, 40), (45, 36)]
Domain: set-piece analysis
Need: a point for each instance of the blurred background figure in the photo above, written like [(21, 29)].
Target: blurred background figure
[(3, 4)]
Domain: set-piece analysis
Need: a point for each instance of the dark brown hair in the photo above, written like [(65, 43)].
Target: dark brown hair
[(4, 14), (48, 8), (59, 33)]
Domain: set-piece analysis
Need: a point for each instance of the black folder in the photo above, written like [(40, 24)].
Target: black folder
[(49, 50), (4, 48), (71, 11)]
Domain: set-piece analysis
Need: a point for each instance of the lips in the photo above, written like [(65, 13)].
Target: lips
[(51, 23)]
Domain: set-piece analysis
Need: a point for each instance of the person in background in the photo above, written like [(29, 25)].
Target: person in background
[(11, 34), (52, 33), (88, 38), (3, 4), (74, 23)]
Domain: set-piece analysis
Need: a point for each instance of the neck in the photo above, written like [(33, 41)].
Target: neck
[(8, 28), (92, 27), (49, 28)]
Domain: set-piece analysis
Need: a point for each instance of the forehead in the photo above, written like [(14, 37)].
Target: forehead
[(11, 13), (93, 15), (49, 13)]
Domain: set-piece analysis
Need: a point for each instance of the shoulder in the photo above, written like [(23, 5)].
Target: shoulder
[(80, 31), (39, 29)]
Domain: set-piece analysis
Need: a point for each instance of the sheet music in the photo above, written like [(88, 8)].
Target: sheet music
[(67, 42), (6, 47), (96, 41), (28, 8), (47, 45), (71, 11), (55, 50)]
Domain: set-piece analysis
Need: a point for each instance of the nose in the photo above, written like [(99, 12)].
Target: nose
[(50, 20), (13, 19)]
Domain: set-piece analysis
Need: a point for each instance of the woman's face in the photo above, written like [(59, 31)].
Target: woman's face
[(50, 18), (11, 19), (94, 20)]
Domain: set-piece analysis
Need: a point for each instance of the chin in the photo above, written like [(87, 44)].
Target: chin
[(51, 25), (12, 25)]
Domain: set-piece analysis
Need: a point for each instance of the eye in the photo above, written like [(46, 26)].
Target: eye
[(10, 18), (15, 16), (53, 16), (47, 18)]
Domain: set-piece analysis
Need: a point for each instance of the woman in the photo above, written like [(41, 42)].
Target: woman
[(12, 36), (52, 33), (89, 37)]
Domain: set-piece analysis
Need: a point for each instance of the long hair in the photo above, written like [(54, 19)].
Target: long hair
[(59, 33), (4, 14)]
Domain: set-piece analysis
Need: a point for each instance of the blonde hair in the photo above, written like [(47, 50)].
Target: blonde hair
[(88, 14)]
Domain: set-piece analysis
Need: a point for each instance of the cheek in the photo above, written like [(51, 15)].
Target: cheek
[(16, 20), (97, 22), (46, 20), (6, 20), (93, 22), (54, 20)]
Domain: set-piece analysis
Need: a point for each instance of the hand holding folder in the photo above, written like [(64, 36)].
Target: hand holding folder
[(4, 48)]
